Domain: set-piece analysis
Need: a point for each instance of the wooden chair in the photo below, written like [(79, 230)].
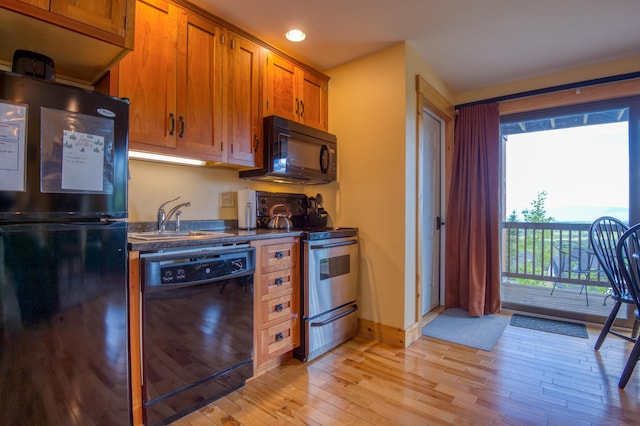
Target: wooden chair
[(628, 254), (604, 235)]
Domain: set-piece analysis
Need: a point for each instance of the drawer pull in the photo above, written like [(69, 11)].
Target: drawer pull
[(279, 255), (278, 281), (279, 336), (279, 307)]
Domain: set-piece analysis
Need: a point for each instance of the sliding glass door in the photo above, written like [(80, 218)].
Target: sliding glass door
[(562, 169)]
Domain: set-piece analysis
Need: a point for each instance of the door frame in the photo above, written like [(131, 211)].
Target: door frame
[(430, 99)]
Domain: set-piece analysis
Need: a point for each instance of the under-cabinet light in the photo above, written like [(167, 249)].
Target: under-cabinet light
[(295, 35), (165, 158)]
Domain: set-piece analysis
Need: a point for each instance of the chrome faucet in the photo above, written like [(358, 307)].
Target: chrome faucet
[(164, 217)]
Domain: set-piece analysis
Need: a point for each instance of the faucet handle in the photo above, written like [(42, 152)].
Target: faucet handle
[(167, 202)]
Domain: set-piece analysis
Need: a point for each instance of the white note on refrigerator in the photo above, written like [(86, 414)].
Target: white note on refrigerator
[(13, 118), (82, 161)]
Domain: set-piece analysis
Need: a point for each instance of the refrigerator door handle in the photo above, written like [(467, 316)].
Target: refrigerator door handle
[(332, 319)]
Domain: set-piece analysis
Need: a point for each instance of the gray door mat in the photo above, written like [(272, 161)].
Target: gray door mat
[(550, 326)]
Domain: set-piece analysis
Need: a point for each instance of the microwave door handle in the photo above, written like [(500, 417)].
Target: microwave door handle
[(324, 159)]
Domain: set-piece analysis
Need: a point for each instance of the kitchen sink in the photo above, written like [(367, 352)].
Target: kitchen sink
[(177, 235)]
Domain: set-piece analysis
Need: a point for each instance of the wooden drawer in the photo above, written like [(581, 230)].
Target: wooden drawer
[(280, 338), (278, 256), (280, 307), (276, 282)]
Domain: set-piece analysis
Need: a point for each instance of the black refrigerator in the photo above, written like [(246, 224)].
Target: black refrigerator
[(63, 255)]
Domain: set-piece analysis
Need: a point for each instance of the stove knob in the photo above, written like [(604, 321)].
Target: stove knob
[(236, 265)]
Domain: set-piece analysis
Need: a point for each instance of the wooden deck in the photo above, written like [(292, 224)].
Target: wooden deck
[(566, 297)]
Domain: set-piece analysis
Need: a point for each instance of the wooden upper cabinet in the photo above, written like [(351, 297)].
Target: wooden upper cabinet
[(242, 108), (315, 104), (148, 77), (193, 85), (200, 90), (42, 4), (108, 15), (295, 93), (85, 38)]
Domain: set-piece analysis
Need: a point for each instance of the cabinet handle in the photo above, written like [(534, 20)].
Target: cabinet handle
[(257, 143), (279, 255), (221, 146), (222, 39), (302, 111), (181, 127), (278, 281), (233, 43), (173, 123), (279, 336), (279, 307)]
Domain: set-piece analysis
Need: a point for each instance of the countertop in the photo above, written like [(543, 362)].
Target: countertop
[(228, 227)]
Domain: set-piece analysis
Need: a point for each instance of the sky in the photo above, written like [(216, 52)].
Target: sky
[(583, 169)]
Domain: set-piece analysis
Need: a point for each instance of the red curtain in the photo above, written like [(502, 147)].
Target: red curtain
[(473, 218)]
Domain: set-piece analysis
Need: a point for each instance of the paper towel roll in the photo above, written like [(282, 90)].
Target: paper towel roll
[(247, 209)]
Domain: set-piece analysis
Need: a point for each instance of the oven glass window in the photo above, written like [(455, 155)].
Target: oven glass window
[(335, 266)]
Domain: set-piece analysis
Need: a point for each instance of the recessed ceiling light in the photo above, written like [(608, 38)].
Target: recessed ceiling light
[(295, 35)]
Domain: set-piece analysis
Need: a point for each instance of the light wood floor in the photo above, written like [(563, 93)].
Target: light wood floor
[(529, 378)]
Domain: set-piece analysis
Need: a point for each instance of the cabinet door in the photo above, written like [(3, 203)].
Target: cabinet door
[(147, 76), (295, 94), (108, 15), (281, 88), (200, 93), (42, 4), (243, 116), (314, 108)]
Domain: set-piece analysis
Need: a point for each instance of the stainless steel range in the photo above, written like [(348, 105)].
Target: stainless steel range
[(329, 275)]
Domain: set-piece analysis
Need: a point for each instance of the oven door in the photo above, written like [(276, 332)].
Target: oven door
[(331, 280)]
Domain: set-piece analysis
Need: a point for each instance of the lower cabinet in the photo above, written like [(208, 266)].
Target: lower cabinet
[(276, 301)]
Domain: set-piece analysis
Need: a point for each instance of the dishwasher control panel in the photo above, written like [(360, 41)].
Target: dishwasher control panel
[(197, 267)]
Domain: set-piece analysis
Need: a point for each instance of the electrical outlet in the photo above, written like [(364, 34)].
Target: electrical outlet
[(227, 199)]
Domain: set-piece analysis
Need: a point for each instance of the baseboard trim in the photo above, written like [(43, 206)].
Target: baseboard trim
[(390, 335), (395, 336)]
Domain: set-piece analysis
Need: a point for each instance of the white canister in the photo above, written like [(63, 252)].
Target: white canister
[(247, 209)]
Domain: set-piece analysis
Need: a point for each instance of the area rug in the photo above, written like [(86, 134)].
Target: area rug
[(550, 326), (456, 326)]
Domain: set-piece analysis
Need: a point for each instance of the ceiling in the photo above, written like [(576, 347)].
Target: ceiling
[(470, 44)]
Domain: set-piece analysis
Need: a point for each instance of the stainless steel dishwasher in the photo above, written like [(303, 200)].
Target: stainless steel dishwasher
[(197, 327)]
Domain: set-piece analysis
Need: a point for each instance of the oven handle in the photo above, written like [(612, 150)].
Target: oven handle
[(340, 244), (332, 319)]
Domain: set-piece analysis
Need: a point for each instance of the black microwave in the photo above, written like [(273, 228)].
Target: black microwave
[(295, 153)]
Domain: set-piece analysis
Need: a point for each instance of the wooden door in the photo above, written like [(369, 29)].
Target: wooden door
[(281, 88), (147, 76), (108, 15), (200, 94), (314, 108), (243, 116)]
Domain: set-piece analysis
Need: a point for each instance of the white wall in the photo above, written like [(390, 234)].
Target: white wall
[(151, 184), (367, 112)]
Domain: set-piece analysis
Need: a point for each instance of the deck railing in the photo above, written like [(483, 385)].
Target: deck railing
[(552, 252)]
